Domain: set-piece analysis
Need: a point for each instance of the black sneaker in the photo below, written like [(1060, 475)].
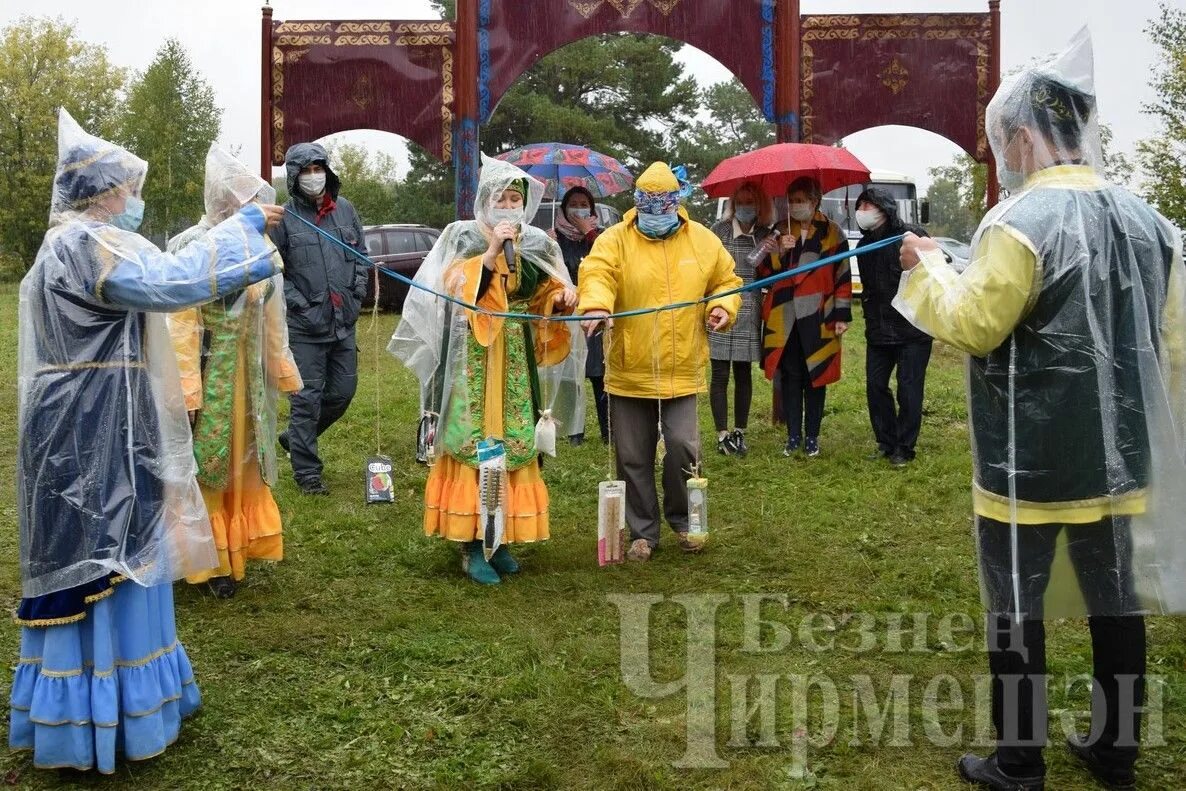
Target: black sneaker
[(811, 447), (1109, 776), (725, 445), (791, 446), (283, 439), (985, 772), (899, 460), (576, 440), (739, 446), (313, 486)]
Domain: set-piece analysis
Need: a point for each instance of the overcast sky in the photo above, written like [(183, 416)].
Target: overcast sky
[(223, 38)]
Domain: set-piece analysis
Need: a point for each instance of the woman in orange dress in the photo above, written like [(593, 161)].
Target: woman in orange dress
[(233, 357), (480, 372)]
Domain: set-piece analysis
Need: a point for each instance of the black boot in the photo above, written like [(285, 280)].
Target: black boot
[(985, 772), (1115, 777), (223, 587)]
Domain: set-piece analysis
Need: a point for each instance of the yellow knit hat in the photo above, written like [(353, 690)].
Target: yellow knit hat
[(657, 178)]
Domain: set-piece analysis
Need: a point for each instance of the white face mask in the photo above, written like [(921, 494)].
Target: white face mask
[(870, 219), (513, 216), (312, 184), (802, 211)]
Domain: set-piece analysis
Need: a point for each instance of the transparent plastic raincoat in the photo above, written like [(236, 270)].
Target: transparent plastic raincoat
[(234, 361), (453, 350), (207, 340), (105, 468), (1072, 311)]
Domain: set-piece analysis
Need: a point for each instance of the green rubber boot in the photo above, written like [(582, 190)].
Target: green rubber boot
[(503, 562), (474, 563)]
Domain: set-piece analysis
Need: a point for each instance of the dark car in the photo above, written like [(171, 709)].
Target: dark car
[(400, 248)]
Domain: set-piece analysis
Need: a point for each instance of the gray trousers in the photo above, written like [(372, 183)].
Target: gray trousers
[(635, 428), (330, 375)]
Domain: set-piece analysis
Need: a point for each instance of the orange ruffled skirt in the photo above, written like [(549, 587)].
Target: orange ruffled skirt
[(451, 503), (244, 517)]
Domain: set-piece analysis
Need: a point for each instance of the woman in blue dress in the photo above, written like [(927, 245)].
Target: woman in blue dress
[(109, 510)]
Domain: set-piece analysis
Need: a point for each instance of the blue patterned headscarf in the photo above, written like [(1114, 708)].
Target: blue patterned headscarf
[(666, 201)]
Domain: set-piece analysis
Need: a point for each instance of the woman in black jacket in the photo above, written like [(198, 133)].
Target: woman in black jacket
[(576, 229), (891, 341)]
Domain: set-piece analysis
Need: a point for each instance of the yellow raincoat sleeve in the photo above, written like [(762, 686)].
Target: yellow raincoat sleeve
[(977, 310), (600, 274), (722, 277), (1173, 342), (281, 367), (185, 329), (552, 338)]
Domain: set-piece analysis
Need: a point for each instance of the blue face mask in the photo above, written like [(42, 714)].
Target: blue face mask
[(132, 215), (746, 214), (657, 226)]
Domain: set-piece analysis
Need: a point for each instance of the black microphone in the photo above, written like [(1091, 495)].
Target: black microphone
[(508, 252)]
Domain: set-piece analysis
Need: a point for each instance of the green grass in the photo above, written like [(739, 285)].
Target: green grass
[(365, 659)]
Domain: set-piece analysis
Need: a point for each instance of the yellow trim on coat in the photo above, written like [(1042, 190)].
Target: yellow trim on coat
[(1072, 512)]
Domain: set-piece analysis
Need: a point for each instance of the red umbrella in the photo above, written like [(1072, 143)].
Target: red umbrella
[(774, 167)]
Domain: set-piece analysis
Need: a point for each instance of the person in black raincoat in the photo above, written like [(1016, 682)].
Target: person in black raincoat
[(324, 285), (890, 340), (1072, 312)]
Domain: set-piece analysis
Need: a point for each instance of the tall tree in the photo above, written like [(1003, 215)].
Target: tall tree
[(1163, 157), (730, 124), (957, 197), (44, 66), (368, 180), (623, 95), (170, 119), (426, 193)]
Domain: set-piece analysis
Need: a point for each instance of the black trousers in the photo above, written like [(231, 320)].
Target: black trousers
[(1017, 651), (896, 430), (743, 396), (330, 375), (601, 401), (802, 402)]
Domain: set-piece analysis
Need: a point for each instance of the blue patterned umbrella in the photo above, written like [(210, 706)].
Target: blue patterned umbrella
[(561, 167)]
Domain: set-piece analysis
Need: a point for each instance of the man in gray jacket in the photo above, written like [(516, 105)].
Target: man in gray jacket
[(324, 285)]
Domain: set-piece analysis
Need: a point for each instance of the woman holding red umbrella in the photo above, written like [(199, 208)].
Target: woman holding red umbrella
[(805, 315)]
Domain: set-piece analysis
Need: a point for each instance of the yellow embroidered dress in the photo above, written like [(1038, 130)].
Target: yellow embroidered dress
[(233, 357)]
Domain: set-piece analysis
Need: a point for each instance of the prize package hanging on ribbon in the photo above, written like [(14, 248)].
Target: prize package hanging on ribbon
[(492, 494), (698, 511), (545, 433), (426, 435), (380, 488), (611, 522)]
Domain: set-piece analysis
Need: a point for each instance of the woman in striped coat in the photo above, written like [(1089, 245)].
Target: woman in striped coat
[(748, 221), (805, 315)]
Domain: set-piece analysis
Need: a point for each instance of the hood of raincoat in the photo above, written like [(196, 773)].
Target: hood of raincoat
[(231, 185), (302, 155), (494, 179), (884, 201), (1049, 109), (90, 169)]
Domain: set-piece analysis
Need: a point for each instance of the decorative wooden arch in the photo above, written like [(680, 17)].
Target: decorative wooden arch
[(816, 77)]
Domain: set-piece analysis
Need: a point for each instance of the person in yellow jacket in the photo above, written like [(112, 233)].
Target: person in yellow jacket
[(655, 362)]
